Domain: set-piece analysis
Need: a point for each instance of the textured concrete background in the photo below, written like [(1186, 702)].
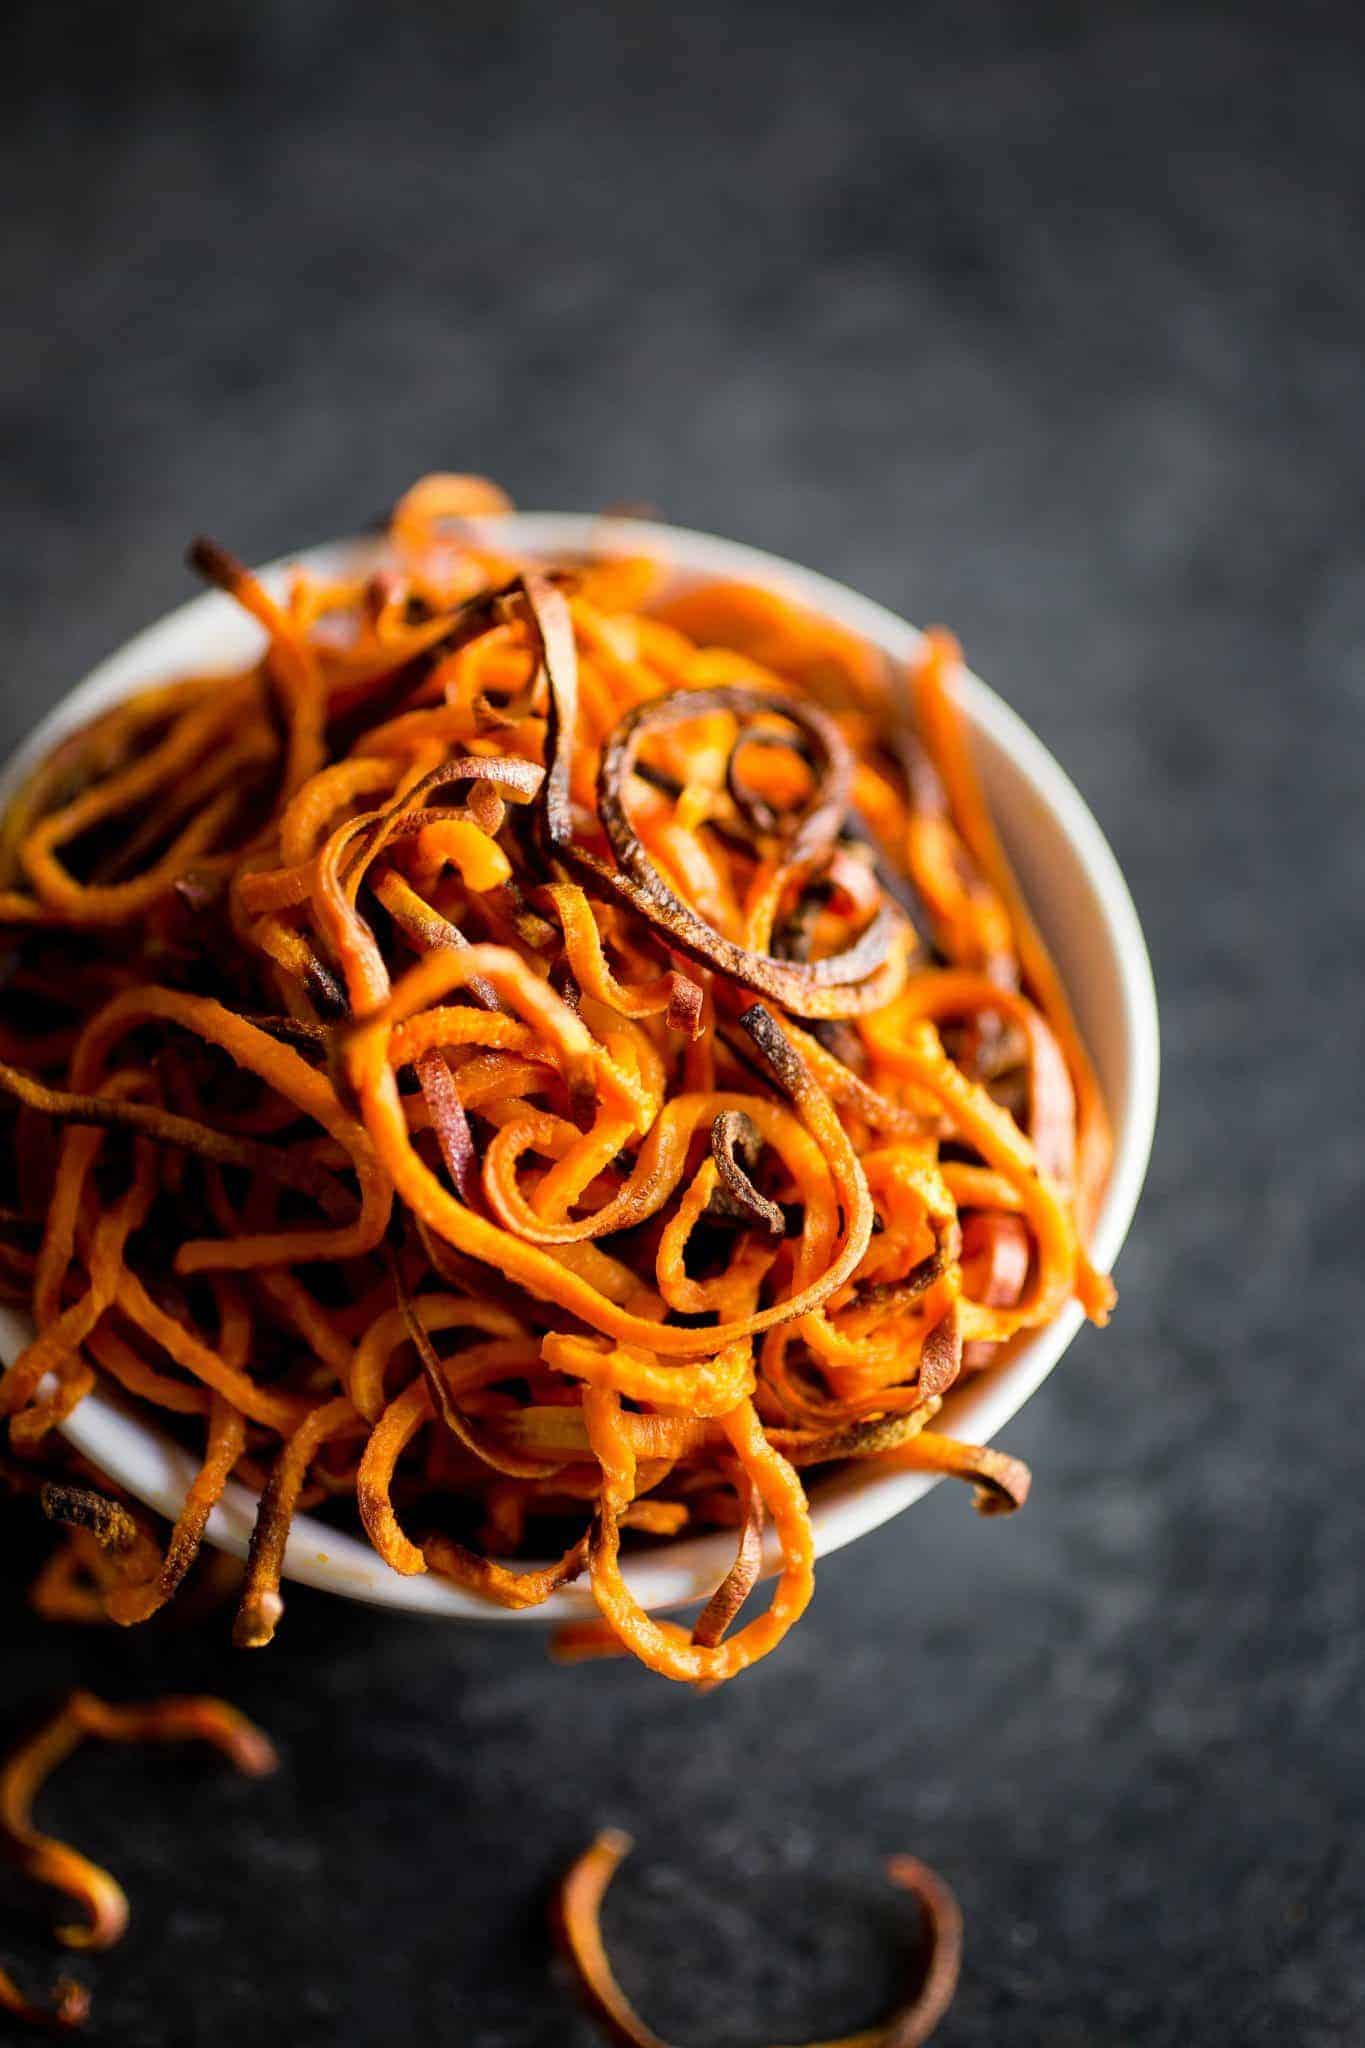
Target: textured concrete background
[(1046, 321)]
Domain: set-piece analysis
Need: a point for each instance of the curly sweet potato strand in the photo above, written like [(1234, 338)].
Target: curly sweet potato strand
[(26, 1770), (577, 1920), (941, 725), (69, 2009)]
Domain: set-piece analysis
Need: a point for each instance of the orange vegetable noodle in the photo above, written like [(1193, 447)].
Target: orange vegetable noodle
[(577, 1923)]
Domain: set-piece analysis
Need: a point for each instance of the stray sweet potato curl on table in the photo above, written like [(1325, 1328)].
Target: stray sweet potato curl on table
[(549, 1057), (99, 1897), (577, 1919)]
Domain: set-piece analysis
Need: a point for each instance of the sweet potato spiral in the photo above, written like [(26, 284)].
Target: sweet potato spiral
[(548, 1056)]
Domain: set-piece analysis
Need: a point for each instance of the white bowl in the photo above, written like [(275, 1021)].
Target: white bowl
[(1080, 900)]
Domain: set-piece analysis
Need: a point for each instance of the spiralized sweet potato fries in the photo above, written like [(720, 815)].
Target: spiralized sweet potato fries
[(547, 1054)]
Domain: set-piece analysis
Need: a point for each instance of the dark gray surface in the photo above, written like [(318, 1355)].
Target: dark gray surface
[(1047, 322)]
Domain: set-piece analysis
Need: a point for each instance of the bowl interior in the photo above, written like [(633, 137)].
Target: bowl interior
[(1078, 896)]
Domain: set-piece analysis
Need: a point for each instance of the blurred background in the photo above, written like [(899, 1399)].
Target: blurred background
[(1044, 320)]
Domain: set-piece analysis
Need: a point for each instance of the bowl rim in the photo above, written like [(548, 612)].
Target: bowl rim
[(209, 630)]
